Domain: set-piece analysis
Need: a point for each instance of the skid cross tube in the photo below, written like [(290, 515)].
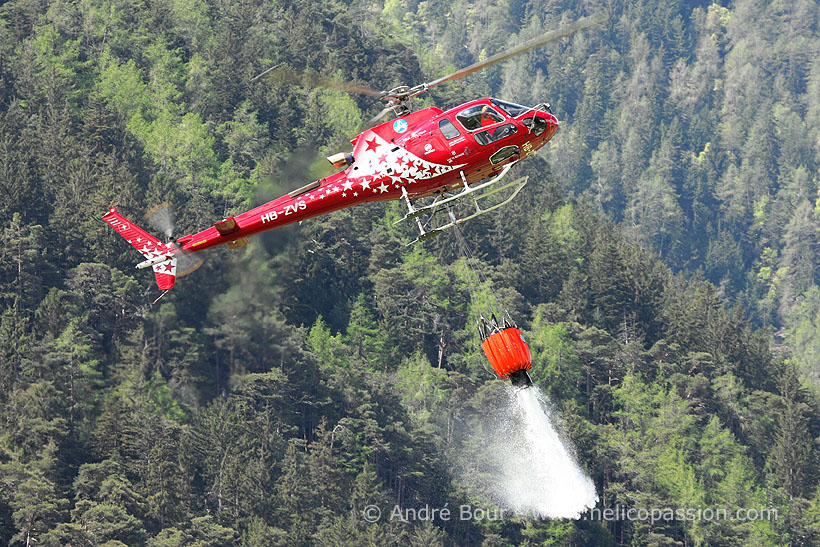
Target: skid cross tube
[(414, 212), (518, 183)]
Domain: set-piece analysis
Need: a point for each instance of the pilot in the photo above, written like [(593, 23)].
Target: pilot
[(487, 116)]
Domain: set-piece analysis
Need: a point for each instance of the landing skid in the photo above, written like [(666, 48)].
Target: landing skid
[(443, 203)]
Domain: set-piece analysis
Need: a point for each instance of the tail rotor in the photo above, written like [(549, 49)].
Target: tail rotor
[(163, 219)]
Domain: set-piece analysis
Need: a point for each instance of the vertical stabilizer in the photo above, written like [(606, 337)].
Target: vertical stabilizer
[(149, 247)]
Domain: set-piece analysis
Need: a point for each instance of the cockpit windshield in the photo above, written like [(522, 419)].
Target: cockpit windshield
[(478, 116), (514, 110)]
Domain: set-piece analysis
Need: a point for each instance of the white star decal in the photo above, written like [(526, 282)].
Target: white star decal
[(322, 196), (383, 188), (355, 194), (139, 240), (348, 185), (391, 161), (344, 194), (165, 268)]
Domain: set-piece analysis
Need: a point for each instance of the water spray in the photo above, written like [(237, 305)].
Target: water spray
[(520, 459), (553, 485)]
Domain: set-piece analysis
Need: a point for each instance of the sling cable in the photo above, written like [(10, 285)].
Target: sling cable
[(502, 342)]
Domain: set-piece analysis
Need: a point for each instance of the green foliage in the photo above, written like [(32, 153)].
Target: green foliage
[(326, 347), (285, 387), (202, 532), (559, 367)]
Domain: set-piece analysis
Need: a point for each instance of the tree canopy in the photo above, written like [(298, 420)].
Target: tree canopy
[(661, 263)]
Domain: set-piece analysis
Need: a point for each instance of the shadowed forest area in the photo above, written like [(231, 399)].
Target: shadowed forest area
[(662, 262)]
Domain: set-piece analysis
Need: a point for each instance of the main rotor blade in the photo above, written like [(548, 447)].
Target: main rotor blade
[(551, 36), (386, 110), (285, 74)]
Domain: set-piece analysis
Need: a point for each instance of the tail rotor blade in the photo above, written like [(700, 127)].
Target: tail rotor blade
[(187, 263), (162, 219)]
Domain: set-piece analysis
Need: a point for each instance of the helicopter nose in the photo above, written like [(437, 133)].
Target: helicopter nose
[(552, 126)]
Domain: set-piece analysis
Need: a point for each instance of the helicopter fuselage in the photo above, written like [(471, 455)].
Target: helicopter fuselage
[(420, 154)]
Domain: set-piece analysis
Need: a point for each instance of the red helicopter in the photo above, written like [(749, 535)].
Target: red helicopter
[(429, 152)]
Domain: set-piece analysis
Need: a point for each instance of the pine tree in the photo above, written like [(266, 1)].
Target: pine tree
[(23, 265), (791, 459), (37, 508), (611, 298)]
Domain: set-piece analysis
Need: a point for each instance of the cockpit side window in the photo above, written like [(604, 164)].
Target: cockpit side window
[(496, 133), (536, 124), (448, 129), (478, 116), (514, 110)]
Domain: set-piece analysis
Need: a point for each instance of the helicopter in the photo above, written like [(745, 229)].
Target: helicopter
[(464, 152)]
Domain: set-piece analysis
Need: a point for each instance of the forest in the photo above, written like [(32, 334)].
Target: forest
[(662, 263)]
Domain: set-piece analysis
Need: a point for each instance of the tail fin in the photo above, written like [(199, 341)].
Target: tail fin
[(149, 246)]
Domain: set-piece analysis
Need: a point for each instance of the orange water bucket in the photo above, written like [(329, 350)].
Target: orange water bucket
[(507, 352)]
